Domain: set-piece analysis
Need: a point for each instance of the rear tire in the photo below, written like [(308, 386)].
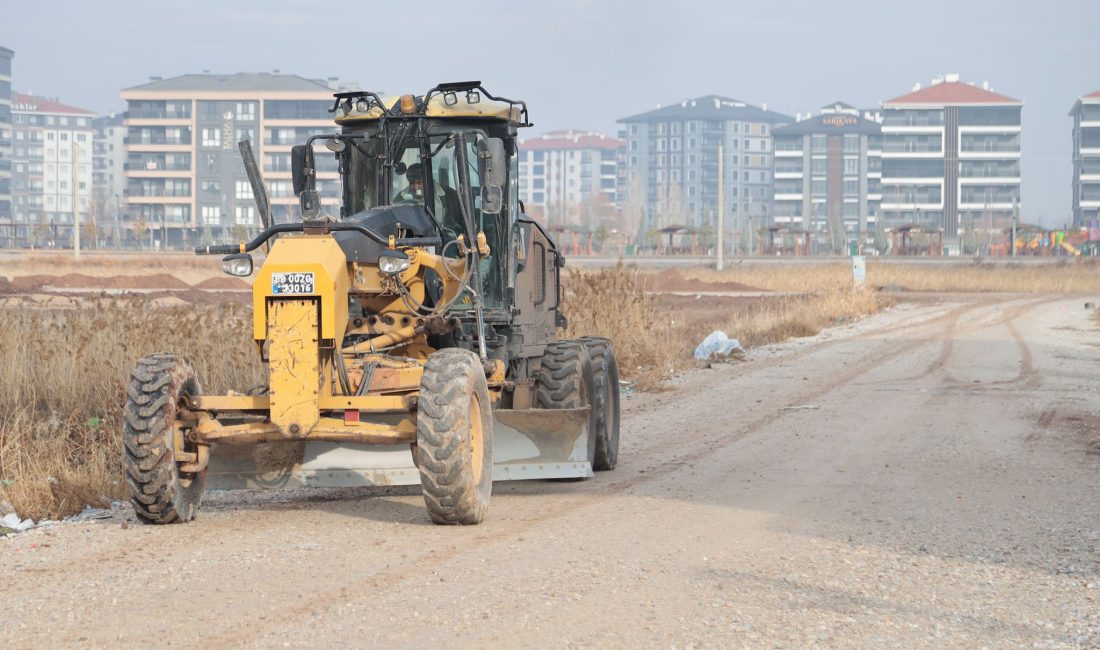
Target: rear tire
[(565, 381), (454, 438), (605, 373), (160, 493)]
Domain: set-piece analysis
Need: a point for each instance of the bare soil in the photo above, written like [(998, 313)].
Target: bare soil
[(922, 478)]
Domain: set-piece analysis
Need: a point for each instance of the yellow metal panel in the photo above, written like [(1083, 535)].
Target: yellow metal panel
[(317, 254), (294, 365)]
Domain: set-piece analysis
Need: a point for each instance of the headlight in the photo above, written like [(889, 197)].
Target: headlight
[(239, 264), (393, 262)]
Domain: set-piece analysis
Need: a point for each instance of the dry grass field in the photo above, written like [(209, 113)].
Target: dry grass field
[(64, 367), (1068, 276)]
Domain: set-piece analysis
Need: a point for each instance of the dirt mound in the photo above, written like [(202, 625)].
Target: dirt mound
[(224, 283), (81, 281), (673, 280)]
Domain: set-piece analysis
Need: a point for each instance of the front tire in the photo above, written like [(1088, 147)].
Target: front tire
[(454, 438), (152, 432)]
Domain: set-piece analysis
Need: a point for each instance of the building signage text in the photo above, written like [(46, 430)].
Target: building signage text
[(839, 120)]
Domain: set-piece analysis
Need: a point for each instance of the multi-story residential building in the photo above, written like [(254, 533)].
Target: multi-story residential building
[(108, 173), (51, 169), (184, 177), (951, 158), (1086, 159), (828, 170), (672, 161), (567, 175), (6, 56)]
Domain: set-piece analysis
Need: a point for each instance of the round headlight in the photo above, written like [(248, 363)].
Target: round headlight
[(362, 106), (239, 265), (392, 264)]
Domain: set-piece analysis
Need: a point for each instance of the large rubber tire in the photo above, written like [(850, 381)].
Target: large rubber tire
[(605, 373), (454, 438), (161, 494), (565, 381)]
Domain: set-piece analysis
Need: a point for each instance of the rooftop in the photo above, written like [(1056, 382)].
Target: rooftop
[(27, 103), (246, 81), (830, 122), (571, 140), (951, 91), (710, 107)]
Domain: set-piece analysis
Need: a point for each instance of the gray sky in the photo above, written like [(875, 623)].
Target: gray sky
[(583, 64)]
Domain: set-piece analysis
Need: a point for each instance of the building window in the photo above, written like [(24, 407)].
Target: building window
[(851, 143), (246, 215), (211, 137), (244, 190), (211, 215), (246, 134), (851, 165), (246, 111), (851, 187), (818, 143)]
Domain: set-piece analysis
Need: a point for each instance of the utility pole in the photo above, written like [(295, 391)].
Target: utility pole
[(721, 208), (76, 201), (1015, 218)]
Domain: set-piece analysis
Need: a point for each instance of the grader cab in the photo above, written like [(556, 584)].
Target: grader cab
[(421, 319)]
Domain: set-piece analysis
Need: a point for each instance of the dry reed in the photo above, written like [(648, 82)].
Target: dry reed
[(653, 343), (62, 389)]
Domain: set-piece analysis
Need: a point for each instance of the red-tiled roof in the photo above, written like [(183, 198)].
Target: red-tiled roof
[(952, 92), (1095, 95), (571, 140), (35, 104)]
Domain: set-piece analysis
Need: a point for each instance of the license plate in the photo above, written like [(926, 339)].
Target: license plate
[(288, 283)]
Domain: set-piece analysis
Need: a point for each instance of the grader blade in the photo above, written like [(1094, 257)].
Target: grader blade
[(527, 444)]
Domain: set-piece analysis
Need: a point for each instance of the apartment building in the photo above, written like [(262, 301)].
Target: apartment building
[(1086, 159), (51, 169), (672, 161), (109, 173), (951, 158), (566, 175), (828, 169), (6, 56), (184, 179)]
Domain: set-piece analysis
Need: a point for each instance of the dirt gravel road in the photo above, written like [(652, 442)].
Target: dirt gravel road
[(928, 477)]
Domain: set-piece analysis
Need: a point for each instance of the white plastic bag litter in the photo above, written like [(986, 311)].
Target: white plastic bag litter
[(717, 344), (12, 520)]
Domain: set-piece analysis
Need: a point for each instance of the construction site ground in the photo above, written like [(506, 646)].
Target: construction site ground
[(926, 477)]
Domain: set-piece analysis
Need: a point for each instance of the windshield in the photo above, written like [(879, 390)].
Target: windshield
[(404, 169)]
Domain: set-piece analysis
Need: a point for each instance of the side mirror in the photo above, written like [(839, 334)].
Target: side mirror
[(310, 203), (301, 168), (493, 165), (492, 199), (493, 161)]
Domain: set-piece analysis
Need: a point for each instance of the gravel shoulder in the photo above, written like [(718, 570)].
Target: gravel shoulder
[(927, 477)]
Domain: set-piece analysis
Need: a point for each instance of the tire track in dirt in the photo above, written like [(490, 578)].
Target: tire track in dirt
[(670, 454)]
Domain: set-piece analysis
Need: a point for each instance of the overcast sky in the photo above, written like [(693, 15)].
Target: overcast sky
[(583, 64)]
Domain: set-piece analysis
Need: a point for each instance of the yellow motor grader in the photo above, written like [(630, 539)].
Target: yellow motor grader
[(424, 318)]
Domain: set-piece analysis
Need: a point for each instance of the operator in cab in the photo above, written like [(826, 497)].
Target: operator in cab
[(446, 209)]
